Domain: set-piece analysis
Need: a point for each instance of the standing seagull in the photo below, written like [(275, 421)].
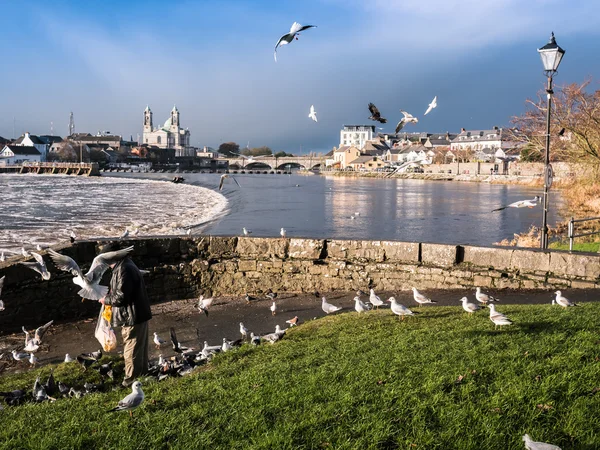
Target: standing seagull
[(484, 298), (158, 341), (432, 105), (243, 331), (39, 266), (375, 114), (498, 318), (132, 401), (521, 204), (283, 232), (328, 308), (420, 298), (226, 175), (287, 38), (125, 234), (468, 307), (563, 301), (313, 113), (398, 309), (359, 305), (408, 118), (246, 232), (273, 308), (533, 445), (375, 300)]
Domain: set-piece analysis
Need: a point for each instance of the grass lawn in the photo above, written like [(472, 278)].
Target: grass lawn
[(592, 247), (356, 382)]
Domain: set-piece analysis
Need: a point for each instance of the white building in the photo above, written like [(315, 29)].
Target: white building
[(476, 140), (170, 135), (29, 140), (17, 154), (356, 135)]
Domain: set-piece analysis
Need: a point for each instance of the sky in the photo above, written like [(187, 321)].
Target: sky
[(105, 61)]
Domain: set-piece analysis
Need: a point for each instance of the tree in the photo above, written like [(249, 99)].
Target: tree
[(257, 151), (282, 154), (229, 149)]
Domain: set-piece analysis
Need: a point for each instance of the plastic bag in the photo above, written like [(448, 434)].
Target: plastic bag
[(104, 332)]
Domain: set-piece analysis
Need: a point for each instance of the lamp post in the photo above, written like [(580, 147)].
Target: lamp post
[(551, 55)]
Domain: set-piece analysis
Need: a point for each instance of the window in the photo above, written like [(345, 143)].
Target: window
[(158, 140)]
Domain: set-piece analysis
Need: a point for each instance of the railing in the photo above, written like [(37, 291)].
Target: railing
[(571, 231)]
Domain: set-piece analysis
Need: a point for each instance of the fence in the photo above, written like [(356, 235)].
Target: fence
[(571, 231)]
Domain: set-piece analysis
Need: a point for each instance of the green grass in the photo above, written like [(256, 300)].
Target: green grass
[(592, 247), (357, 382)]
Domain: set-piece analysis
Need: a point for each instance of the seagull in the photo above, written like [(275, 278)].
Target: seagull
[(189, 232), (19, 356), (313, 113), (39, 266), (226, 346), (420, 298), (72, 237), (408, 118), (375, 300), (90, 287), (176, 346), (563, 301), (293, 322), (532, 445), (246, 232), (468, 307), (25, 253), (125, 234), (226, 175), (2, 257), (328, 308), (32, 360), (158, 341), (273, 308), (359, 306), (243, 331), (484, 298), (203, 304), (271, 295), (521, 204), (287, 38), (132, 401), (31, 345), (432, 105), (254, 340), (282, 232), (375, 114), (68, 358), (398, 309), (498, 318)]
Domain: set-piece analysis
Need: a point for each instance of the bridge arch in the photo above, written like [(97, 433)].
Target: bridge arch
[(257, 166), (290, 165)]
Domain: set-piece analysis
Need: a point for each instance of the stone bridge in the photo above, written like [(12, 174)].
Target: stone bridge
[(275, 163)]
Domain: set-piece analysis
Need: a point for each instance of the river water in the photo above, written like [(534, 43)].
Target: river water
[(44, 209)]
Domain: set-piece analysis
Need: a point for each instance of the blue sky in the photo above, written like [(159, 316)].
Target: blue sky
[(106, 61)]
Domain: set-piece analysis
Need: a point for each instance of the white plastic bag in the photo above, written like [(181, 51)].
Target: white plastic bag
[(105, 334)]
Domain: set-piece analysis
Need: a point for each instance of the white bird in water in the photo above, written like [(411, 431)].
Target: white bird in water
[(246, 232), (273, 308), (359, 305), (563, 301), (158, 341), (223, 177), (125, 234), (132, 401), (399, 309), (408, 118), (484, 298), (204, 304), (283, 232), (287, 38), (420, 298), (533, 445), (432, 105), (68, 358), (498, 318), (375, 300), (72, 237), (39, 266), (313, 113), (25, 253), (328, 308), (90, 287), (521, 204), (468, 307)]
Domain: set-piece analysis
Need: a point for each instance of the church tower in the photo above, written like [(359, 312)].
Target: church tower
[(147, 120), (174, 119)]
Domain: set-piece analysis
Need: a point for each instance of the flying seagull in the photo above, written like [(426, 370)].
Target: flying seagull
[(408, 118), (39, 266), (90, 287), (375, 114), (203, 304), (313, 113), (287, 38), (432, 105), (226, 175), (521, 204), (132, 401), (31, 345)]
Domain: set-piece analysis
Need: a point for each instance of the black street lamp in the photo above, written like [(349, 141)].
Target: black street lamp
[(551, 55)]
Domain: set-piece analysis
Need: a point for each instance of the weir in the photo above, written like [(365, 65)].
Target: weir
[(53, 168)]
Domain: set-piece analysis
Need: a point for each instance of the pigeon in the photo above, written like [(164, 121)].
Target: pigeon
[(498, 318), (246, 232), (293, 322), (313, 113), (484, 298), (226, 175), (249, 298), (39, 266), (432, 105), (271, 295), (68, 358), (105, 370), (90, 387), (359, 306), (50, 385), (254, 340), (158, 341), (408, 118), (20, 356), (31, 345), (273, 308), (87, 359), (125, 234), (420, 298), (287, 38), (398, 309), (204, 304), (563, 301), (375, 300), (132, 401), (283, 232), (468, 307), (176, 346), (63, 389), (532, 445), (90, 287), (39, 392), (328, 308), (243, 331), (521, 204), (14, 398), (375, 114)]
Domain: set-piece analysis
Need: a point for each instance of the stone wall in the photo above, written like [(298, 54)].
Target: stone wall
[(183, 267)]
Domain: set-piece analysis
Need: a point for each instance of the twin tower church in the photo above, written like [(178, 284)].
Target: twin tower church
[(170, 135)]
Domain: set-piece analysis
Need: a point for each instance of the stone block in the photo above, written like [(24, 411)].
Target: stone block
[(482, 281), (440, 255), (305, 248), (577, 284), (401, 251), (529, 260), (219, 246), (261, 248), (498, 258), (584, 266), (246, 265)]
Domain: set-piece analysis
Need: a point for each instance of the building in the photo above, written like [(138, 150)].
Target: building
[(356, 135), (476, 140), (17, 154), (170, 135), (207, 152), (344, 155), (110, 140), (367, 162), (30, 140)]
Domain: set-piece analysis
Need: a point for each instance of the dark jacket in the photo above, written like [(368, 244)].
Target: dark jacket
[(127, 295)]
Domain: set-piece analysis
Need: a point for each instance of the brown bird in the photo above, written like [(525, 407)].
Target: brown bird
[(375, 114), (293, 322)]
